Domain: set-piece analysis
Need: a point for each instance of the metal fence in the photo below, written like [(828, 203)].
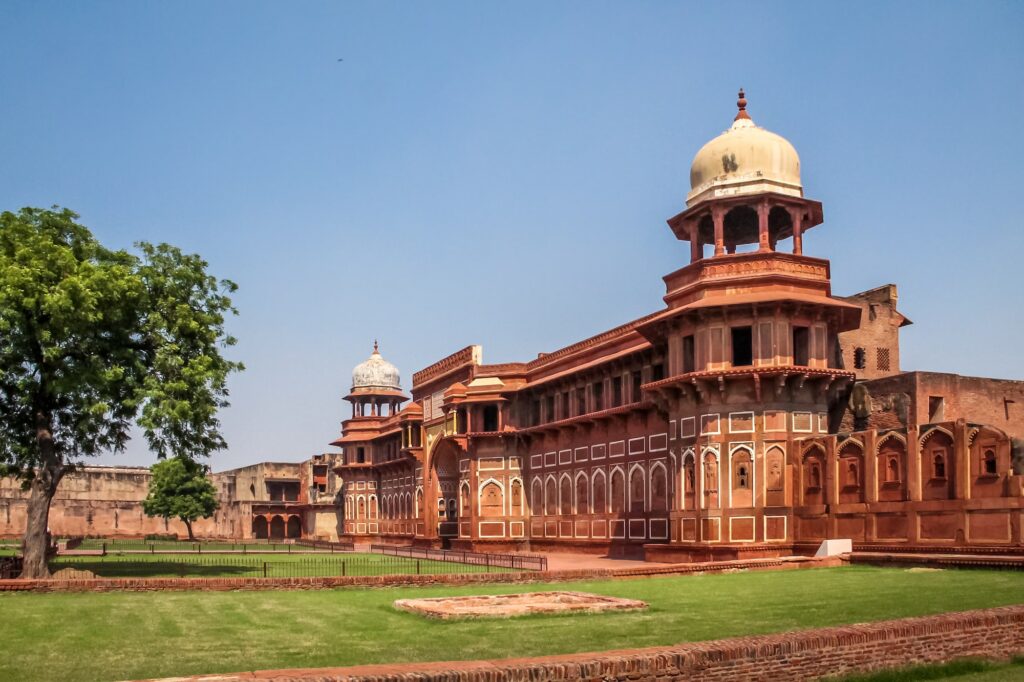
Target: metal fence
[(10, 567), (516, 562), (323, 545), (221, 566)]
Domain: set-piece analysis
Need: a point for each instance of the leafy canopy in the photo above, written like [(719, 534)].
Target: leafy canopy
[(92, 339), (180, 489)]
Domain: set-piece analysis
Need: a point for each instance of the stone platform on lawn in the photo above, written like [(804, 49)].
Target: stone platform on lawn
[(507, 605)]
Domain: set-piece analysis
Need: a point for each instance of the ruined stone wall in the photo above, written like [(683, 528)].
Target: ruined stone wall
[(878, 336), (107, 501)]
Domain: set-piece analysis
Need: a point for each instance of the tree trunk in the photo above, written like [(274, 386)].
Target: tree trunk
[(43, 486), (188, 525), (37, 540)]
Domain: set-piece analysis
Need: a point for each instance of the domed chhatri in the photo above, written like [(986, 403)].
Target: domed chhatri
[(375, 373), (745, 159)]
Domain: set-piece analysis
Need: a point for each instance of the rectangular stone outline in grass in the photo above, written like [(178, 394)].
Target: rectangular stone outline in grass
[(521, 604)]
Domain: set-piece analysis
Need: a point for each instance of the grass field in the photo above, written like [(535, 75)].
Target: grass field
[(111, 636), (258, 565), (963, 670)]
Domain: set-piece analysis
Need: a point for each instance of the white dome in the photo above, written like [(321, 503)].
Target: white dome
[(375, 373), (746, 159)]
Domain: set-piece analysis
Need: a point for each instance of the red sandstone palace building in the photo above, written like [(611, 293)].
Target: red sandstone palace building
[(754, 413)]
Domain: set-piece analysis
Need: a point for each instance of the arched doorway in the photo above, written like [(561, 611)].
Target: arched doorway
[(276, 528), (294, 527), (259, 528), (445, 466)]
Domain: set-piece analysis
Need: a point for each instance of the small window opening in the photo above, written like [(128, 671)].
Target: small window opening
[(581, 401), (491, 416), (637, 381), (657, 372), (742, 346), (689, 355), (990, 462), (360, 455), (801, 346), (617, 391), (892, 472), (939, 466), (860, 358), (741, 477), (936, 408), (549, 409), (882, 359), (598, 396)]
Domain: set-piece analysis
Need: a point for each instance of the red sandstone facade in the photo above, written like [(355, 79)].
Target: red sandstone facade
[(754, 414)]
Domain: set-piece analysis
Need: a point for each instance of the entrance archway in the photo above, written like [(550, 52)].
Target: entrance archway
[(259, 528), (294, 527), (277, 528), (445, 465)]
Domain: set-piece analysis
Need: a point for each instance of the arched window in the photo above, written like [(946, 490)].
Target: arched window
[(551, 497), (774, 465), (464, 498), (852, 474), (565, 490), (815, 475), (517, 497), (537, 496), (453, 510), (659, 489), (600, 484), (892, 470), (582, 494), (618, 492), (742, 477), (689, 477), (637, 491), (989, 463), (939, 465), (492, 500)]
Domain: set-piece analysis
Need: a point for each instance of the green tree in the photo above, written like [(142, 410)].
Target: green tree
[(94, 339), (180, 489)]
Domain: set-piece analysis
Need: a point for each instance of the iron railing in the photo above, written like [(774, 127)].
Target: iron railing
[(221, 566), (516, 562)]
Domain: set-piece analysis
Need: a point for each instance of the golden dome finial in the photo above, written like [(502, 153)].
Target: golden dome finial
[(741, 104), (375, 346)]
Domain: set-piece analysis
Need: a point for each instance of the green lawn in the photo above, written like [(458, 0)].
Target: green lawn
[(258, 565), (962, 670), (139, 635)]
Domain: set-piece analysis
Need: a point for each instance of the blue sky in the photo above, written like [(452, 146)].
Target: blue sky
[(500, 173)]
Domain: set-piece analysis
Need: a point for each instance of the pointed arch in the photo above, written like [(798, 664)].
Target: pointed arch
[(617, 490), (515, 498), (565, 494), (599, 491), (537, 495), (491, 498), (637, 489), (550, 495), (582, 485), (658, 492)]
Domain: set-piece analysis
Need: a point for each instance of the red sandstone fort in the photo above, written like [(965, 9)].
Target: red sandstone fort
[(755, 414)]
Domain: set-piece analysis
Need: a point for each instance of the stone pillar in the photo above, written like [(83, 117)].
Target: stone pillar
[(762, 227), (696, 248), (914, 465), (798, 234), (718, 216)]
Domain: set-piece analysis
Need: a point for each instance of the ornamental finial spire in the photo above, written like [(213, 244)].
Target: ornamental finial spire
[(741, 104), (375, 347)]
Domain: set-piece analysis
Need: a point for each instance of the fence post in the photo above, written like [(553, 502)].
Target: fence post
[(417, 567), (342, 568), (264, 569)]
